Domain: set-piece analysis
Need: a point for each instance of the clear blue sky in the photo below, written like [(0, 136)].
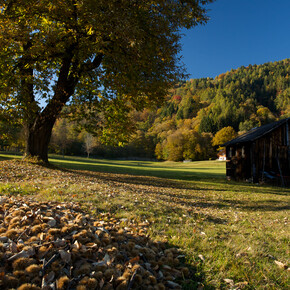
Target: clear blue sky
[(240, 32)]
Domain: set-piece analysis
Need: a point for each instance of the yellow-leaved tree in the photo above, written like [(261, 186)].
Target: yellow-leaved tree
[(224, 135)]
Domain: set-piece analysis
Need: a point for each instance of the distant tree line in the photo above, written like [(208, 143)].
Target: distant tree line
[(198, 116)]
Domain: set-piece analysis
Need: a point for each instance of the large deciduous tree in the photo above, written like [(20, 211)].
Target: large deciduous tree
[(57, 51)]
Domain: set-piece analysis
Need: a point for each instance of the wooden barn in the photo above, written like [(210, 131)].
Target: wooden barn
[(262, 154)]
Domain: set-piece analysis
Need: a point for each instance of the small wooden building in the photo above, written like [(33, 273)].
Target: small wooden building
[(262, 154)]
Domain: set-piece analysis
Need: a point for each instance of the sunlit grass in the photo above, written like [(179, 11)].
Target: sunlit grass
[(201, 170), (172, 170), (228, 231)]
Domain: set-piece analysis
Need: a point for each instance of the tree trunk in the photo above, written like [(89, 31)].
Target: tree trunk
[(39, 129), (39, 124), (38, 138)]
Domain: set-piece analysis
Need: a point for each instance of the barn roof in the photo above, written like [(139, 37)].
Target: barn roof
[(256, 133)]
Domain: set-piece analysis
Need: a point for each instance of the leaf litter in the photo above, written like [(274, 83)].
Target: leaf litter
[(77, 251)]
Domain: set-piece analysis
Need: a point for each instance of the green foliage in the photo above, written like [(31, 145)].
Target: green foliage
[(108, 119), (11, 136)]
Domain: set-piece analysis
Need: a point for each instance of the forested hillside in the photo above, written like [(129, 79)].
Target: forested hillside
[(242, 98), (186, 126), (197, 109)]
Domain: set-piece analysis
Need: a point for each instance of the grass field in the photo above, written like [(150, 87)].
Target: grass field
[(233, 235), (170, 170)]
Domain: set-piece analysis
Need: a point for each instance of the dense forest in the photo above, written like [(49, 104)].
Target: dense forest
[(197, 116)]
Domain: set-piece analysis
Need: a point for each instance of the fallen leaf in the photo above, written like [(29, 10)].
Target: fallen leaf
[(229, 281), (107, 259), (172, 285), (13, 247), (101, 263), (101, 284), (46, 280), (201, 257), (281, 265), (241, 285), (59, 242), (41, 236), (51, 222), (77, 245), (65, 256), (133, 260), (22, 254)]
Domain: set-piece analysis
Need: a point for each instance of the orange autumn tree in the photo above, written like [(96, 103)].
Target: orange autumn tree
[(58, 52)]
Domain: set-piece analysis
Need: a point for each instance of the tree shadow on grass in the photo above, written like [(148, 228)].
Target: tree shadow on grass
[(150, 185), (191, 199), (152, 181), (131, 174), (140, 169), (195, 202), (263, 205), (3, 158)]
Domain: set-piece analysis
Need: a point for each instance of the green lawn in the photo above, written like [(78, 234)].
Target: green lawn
[(171, 170), (234, 235)]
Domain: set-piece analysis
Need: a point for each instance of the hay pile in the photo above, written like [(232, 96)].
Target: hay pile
[(48, 245)]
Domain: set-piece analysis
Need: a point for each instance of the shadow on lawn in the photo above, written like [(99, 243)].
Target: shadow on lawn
[(138, 175), (3, 158), (150, 181), (191, 203), (191, 199), (222, 203), (139, 169)]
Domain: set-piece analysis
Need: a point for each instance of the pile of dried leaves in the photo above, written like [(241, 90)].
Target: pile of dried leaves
[(48, 245)]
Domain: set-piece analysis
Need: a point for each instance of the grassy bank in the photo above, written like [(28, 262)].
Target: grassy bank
[(233, 235)]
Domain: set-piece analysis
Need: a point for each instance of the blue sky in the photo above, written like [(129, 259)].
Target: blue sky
[(240, 32)]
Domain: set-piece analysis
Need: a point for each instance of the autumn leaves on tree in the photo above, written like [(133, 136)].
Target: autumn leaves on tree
[(87, 52)]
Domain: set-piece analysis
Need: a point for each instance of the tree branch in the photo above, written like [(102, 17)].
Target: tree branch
[(63, 89), (93, 64)]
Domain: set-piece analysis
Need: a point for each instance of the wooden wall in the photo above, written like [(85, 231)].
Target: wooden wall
[(266, 157)]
